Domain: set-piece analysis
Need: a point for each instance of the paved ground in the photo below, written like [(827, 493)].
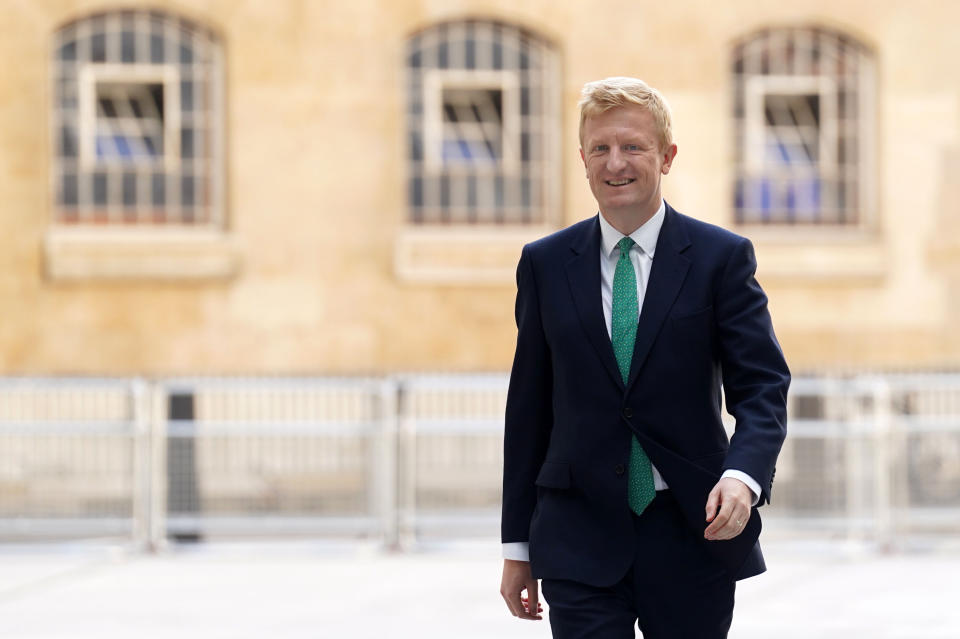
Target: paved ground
[(274, 591)]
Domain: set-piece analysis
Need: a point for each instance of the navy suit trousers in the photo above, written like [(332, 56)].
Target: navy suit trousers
[(673, 590)]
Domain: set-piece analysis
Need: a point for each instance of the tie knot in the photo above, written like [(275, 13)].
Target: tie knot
[(625, 245)]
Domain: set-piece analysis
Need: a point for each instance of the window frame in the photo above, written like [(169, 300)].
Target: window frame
[(121, 240), (448, 247), (94, 73), (819, 54), (435, 81), (527, 188)]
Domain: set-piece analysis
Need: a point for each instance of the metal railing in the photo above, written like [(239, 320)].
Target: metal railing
[(73, 458), (413, 457)]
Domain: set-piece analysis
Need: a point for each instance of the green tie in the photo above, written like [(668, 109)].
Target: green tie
[(623, 333)]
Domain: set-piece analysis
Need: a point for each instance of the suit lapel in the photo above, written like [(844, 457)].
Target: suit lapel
[(583, 272), (667, 273)]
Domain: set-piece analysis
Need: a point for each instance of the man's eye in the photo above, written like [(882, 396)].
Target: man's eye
[(632, 147), (600, 147)]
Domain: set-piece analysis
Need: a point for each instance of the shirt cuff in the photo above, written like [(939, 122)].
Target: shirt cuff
[(748, 480), (517, 550)]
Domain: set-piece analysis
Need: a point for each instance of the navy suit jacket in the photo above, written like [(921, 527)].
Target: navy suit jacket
[(569, 418)]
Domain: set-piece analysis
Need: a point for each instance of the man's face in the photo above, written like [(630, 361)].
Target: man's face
[(621, 152)]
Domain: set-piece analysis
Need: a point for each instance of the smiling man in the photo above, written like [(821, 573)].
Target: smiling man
[(621, 490)]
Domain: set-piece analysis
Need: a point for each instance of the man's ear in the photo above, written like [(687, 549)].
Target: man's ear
[(583, 158), (668, 156)]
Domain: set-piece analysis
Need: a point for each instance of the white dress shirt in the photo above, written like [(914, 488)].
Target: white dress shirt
[(641, 255)]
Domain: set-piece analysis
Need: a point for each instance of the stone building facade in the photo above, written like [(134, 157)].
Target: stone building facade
[(288, 187)]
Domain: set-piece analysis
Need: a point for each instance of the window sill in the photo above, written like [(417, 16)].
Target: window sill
[(462, 254), (96, 253), (825, 255)]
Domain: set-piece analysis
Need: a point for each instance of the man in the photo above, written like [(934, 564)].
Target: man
[(621, 490)]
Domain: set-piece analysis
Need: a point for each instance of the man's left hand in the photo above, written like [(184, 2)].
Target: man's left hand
[(728, 509)]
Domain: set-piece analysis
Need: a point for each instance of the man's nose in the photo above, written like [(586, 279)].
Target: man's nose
[(615, 160)]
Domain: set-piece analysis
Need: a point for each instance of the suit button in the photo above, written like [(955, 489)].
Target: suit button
[(618, 469), (628, 412)]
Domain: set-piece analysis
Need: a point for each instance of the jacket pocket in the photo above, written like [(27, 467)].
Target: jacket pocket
[(704, 315), (692, 334), (554, 475)]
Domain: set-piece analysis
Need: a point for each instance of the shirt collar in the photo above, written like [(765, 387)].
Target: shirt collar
[(645, 236)]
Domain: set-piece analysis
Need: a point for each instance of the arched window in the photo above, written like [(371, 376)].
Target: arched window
[(803, 111), (137, 115), (482, 114)]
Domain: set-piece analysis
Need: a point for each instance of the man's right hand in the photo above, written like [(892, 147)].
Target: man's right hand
[(516, 579)]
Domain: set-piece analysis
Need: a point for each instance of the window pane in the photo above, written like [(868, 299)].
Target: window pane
[(68, 189), (473, 127), (186, 142), (127, 47), (187, 194), (156, 48), (68, 51), (130, 123), (186, 96), (98, 47), (100, 188), (129, 189), (416, 191), (158, 189), (68, 142)]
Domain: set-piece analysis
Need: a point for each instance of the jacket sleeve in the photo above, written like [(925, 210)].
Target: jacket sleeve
[(755, 374), (529, 414)]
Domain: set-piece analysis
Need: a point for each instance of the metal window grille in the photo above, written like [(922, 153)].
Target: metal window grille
[(136, 117), (482, 117), (803, 101)]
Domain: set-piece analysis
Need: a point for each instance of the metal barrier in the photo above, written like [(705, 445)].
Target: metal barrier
[(278, 457), (413, 457), (451, 455), (73, 458)]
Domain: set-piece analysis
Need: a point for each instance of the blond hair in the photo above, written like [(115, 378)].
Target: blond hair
[(603, 95)]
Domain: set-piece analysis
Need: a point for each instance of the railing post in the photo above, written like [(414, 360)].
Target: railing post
[(883, 463), (140, 480), (157, 490), (407, 467), (858, 432), (384, 476)]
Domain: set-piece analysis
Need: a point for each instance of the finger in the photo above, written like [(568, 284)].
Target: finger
[(526, 603), (721, 520), (534, 603), (737, 528), (739, 523), (524, 612), (713, 502), (736, 524)]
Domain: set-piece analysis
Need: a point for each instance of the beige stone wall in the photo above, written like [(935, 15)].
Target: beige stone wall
[(316, 195)]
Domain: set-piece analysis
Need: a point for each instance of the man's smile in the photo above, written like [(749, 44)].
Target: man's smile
[(623, 182)]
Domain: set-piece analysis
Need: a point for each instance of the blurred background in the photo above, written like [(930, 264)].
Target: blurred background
[(257, 282)]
